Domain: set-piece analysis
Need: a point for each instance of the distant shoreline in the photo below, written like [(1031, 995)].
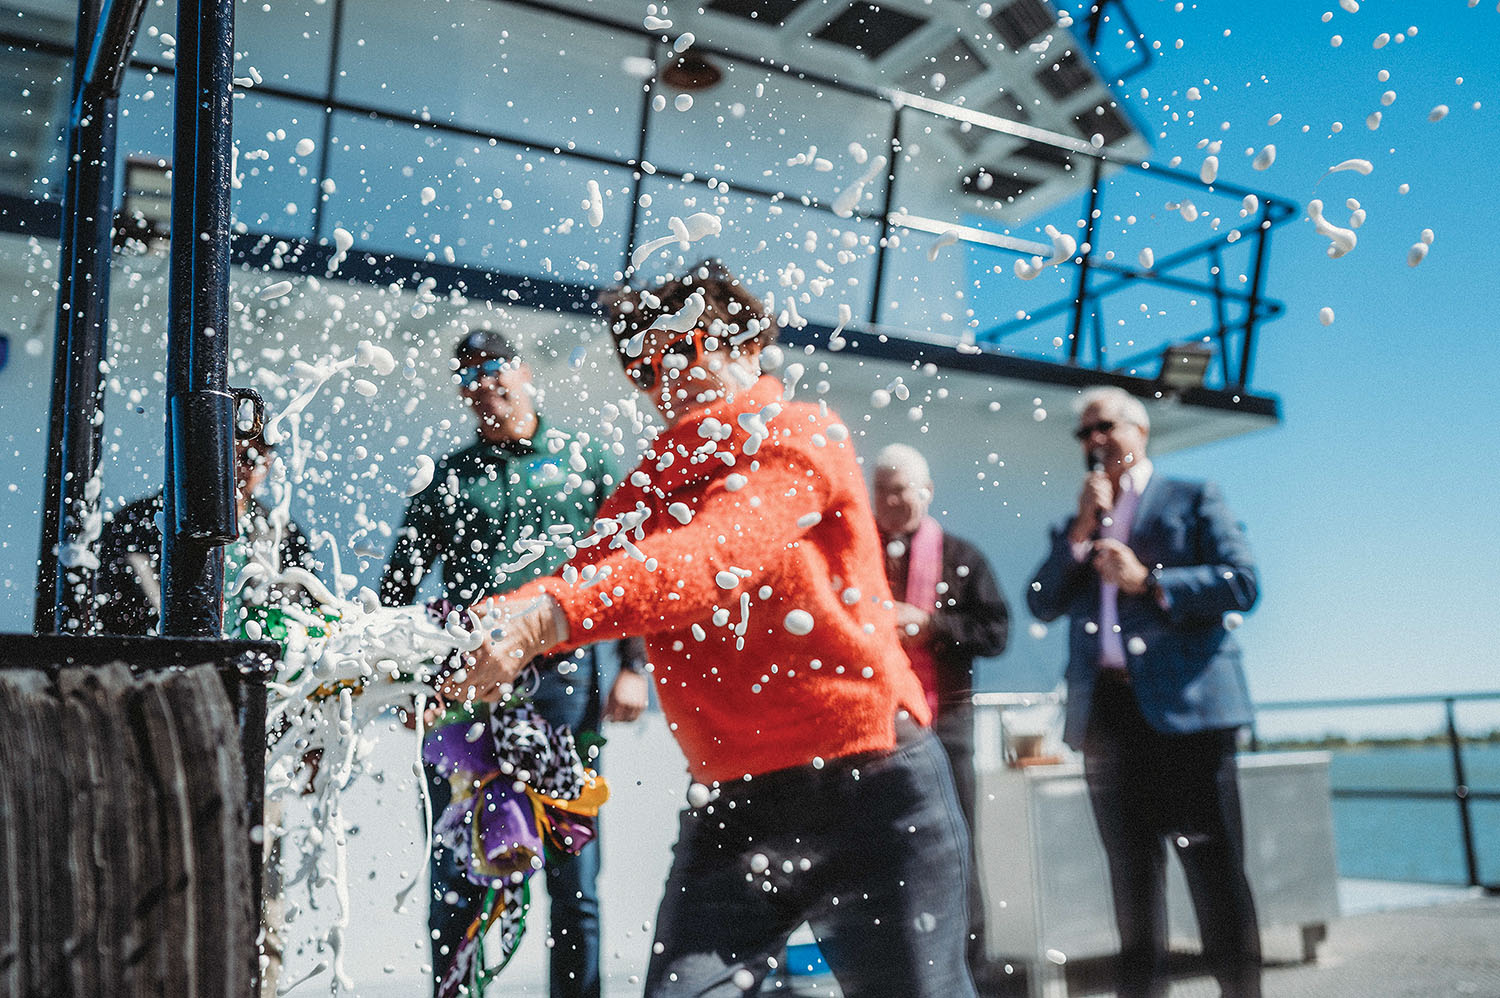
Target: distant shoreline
[(1336, 741)]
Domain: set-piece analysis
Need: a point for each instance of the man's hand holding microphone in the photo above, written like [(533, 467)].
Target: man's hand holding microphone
[(1111, 558)]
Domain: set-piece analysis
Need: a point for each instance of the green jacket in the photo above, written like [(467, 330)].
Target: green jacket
[(499, 515)]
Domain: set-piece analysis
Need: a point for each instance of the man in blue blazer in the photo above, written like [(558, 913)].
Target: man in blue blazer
[(1148, 571)]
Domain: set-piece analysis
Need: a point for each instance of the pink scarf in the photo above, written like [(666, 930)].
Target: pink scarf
[(924, 569)]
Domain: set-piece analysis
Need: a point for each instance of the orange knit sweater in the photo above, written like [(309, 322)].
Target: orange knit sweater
[(744, 549)]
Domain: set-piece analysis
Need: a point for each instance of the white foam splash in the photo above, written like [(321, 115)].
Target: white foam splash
[(1361, 166), (948, 238), (699, 225), (421, 475), (849, 198), (1341, 240), (594, 205)]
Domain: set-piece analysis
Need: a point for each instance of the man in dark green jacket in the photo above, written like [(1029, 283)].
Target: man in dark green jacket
[(502, 511)]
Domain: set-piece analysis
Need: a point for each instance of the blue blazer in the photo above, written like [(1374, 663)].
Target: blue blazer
[(1185, 670)]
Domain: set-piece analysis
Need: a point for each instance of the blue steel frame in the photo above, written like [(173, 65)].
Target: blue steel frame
[(200, 276)]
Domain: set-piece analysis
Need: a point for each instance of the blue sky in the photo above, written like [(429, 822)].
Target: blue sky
[(1372, 506)]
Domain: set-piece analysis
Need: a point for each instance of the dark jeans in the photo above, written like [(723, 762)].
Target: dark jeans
[(954, 727), (870, 850), (1147, 788), (565, 697)]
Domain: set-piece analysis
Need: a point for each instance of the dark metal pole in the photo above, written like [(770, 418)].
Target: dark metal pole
[(878, 284), (44, 620), (1080, 297), (65, 599), (1247, 347), (638, 175), (1461, 794), (199, 495)]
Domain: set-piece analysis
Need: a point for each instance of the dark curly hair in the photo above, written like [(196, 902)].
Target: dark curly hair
[(729, 310)]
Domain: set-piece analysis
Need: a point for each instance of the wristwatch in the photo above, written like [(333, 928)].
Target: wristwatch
[(1153, 587)]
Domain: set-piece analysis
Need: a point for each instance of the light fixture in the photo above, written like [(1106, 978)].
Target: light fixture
[(1184, 366), (691, 73), (146, 205)]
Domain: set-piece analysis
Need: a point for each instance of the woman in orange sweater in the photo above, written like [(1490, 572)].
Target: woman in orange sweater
[(744, 550)]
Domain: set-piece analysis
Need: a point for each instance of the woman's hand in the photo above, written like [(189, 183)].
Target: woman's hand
[(514, 635)]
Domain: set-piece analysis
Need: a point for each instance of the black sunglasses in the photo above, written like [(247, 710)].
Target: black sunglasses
[(646, 372), (1089, 429)]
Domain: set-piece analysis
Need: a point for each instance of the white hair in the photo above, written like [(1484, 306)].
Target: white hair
[(1118, 402), (900, 457)]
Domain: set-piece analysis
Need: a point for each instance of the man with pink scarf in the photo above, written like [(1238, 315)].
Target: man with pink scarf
[(949, 612)]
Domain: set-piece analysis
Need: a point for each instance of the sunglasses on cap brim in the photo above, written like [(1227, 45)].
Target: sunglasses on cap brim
[(471, 374)]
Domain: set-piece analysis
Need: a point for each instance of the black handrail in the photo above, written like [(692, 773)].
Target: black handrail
[(1460, 792)]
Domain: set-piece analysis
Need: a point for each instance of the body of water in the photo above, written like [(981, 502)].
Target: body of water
[(1408, 839)]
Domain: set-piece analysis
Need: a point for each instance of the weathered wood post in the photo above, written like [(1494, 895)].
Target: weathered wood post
[(131, 783)]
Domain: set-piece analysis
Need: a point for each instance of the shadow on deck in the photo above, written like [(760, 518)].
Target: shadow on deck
[(1448, 944)]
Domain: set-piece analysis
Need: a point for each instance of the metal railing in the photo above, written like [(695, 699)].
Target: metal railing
[(1460, 792)]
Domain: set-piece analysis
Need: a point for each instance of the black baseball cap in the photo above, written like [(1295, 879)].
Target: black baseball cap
[(485, 344)]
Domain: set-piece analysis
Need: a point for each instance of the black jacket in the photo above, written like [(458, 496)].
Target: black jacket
[(130, 564), (970, 621)]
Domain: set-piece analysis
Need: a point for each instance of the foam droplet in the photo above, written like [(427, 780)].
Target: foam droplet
[(1438, 113), (595, 204), (374, 356), (428, 195), (366, 388), (421, 475), (1416, 254), (1210, 171), (1363, 167), (798, 622), (697, 795), (726, 580), (1147, 258), (683, 102), (305, 147), (1325, 315), (277, 290), (1265, 158)]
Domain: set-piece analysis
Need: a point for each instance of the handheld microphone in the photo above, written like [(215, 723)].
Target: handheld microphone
[(1094, 459)]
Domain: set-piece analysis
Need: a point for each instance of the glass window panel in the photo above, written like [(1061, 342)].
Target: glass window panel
[(748, 127), (494, 67), (286, 41), (277, 187), (785, 249), (33, 119), (931, 296), (426, 194)]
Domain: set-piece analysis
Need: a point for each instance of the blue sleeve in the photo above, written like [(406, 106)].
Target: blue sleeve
[(1224, 578)]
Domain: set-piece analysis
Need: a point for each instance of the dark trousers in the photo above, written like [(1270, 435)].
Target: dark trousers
[(870, 851), (1148, 788), (954, 727), (567, 695)]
